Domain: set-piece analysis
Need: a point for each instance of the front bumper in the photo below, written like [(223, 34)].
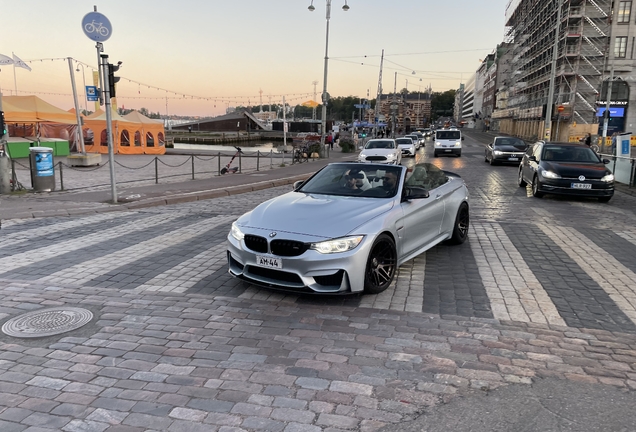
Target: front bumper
[(448, 150), (311, 272), (508, 158), (564, 187)]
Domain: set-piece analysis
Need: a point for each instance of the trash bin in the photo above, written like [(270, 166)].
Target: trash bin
[(42, 169)]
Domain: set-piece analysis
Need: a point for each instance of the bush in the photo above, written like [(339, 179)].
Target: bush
[(347, 146)]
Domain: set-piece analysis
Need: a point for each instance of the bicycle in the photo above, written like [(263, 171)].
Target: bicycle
[(93, 26), (301, 154)]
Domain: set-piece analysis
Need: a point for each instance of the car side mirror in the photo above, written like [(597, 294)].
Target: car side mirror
[(463, 138), (297, 184), (606, 161), (532, 158), (415, 192)]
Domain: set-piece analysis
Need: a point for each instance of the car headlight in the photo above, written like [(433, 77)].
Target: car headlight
[(437, 143), (390, 156), (362, 156), (458, 143), (550, 174), (608, 178), (497, 152), (343, 244), (236, 232)]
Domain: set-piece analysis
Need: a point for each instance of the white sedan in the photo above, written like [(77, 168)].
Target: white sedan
[(406, 146), (381, 151)]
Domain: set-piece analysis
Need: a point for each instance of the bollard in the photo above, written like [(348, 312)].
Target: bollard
[(218, 159), (14, 176), (156, 170), (61, 176), (240, 172), (192, 167), (258, 154), (271, 159)]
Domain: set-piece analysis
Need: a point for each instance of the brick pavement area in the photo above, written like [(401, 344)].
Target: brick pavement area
[(542, 288), (156, 361)]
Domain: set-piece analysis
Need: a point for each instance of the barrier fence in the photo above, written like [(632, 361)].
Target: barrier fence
[(198, 167)]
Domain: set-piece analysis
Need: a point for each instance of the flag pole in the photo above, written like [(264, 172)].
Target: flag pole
[(15, 80)]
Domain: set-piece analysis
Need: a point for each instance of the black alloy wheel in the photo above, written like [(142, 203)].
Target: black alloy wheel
[(486, 157), (535, 187), (492, 160), (462, 224), (381, 265), (520, 181)]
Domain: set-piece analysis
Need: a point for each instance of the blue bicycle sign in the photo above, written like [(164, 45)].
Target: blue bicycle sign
[(96, 26)]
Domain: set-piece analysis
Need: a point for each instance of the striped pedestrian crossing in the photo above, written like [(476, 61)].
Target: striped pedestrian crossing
[(526, 272)]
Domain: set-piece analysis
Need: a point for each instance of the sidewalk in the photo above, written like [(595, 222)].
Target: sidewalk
[(145, 193)]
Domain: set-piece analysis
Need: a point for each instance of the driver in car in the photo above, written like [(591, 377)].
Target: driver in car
[(389, 182), (351, 179)]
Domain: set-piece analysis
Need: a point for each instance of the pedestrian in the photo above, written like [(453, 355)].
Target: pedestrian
[(336, 139), (588, 139), (329, 140)]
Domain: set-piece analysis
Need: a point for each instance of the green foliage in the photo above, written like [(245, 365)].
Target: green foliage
[(442, 104), (347, 145)]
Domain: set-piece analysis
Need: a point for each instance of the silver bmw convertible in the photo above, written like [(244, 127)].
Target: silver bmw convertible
[(348, 228)]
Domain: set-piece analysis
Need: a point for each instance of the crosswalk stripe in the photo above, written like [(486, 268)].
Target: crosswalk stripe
[(628, 235), (514, 292), (612, 276), (40, 254), (179, 278), (27, 234), (83, 272)]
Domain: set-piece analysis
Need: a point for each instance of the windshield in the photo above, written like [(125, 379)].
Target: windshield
[(380, 144), (569, 154), (403, 141), (448, 135), (353, 179), (514, 142)]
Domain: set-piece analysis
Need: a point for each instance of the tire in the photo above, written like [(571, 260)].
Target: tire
[(223, 170), (435, 154), (520, 181), (461, 226), (381, 265), (486, 158), (459, 154), (604, 199), (492, 161), (535, 188)]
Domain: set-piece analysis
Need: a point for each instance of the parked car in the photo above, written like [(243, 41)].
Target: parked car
[(505, 149), (448, 142), (566, 169), (381, 151), (348, 228), (406, 146)]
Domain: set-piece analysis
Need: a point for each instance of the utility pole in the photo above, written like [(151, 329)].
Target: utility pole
[(313, 111), (394, 107), (378, 104), (109, 125), (608, 102), (547, 126)]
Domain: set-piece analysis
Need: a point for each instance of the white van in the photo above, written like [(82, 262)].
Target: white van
[(448, 141)]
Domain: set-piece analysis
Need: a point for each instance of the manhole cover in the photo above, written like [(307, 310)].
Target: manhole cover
[(47, 322)]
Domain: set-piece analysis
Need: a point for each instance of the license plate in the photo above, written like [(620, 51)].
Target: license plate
[(265, 261), (513, 159), (581, 186), (448, 150)]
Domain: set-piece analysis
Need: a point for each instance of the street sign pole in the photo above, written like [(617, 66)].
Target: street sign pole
[(109, 127)]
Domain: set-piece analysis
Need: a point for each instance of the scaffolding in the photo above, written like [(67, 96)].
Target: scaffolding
[(583, 37)]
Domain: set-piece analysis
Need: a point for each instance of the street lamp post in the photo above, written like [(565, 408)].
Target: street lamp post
[(325, 95), (84, 82)]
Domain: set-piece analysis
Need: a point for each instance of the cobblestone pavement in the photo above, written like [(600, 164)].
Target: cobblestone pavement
[(543, 288)]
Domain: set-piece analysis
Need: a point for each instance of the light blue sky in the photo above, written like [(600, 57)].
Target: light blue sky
[(230, 49)]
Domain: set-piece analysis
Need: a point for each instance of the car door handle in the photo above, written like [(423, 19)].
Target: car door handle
[(438, 196)]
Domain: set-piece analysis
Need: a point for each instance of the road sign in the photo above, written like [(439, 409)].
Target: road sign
[(96, 26), (91, 94), (362, 106)]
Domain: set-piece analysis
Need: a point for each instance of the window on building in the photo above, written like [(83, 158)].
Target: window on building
[(620, 47), (623, 12)]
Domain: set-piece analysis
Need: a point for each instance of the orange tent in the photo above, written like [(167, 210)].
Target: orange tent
[(96, 138), (150, 134), (32, 109)]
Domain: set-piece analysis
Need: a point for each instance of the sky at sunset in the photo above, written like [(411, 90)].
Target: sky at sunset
[(198, 57)]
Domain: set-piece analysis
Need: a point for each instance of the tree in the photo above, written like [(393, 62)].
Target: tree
[(442, 104)]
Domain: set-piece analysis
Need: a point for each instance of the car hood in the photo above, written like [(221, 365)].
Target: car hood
[(405, 145), (377, 152), (509, 148), (576, 169), (326, 216)]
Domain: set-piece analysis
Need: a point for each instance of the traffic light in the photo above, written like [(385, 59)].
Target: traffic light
[(3, 125), (112, 79)]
